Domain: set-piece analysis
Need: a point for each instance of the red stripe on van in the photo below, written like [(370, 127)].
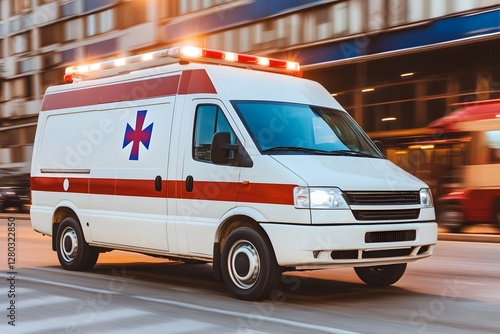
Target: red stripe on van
[(196, 82), (142, 188), (191, 82), (203, 190), (124, 91), (56, 184), (266, 193)]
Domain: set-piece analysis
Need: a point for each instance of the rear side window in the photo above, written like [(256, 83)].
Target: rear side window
[(209, 119)]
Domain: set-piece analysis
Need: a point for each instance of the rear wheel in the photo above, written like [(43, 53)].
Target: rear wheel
[(451, 217), (73, 251), (248, 264), (381, 275)]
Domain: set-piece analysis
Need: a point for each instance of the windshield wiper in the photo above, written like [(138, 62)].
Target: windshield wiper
[(294, 149), (352, 153), (316, 151)]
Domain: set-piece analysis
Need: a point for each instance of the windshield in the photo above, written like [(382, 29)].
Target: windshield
[(290, 128)]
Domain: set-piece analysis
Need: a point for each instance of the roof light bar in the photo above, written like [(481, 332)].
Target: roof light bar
[(186, 53)]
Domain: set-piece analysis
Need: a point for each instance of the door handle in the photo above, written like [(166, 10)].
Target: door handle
[(158, 182), (189, 183)]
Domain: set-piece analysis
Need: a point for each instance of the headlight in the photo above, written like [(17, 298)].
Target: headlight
[(426, 198), (319, 198)]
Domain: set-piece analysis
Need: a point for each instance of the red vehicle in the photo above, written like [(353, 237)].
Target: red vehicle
[(471, 135), (460, 161)]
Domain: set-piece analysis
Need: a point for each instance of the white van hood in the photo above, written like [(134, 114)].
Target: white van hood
[(350, 173)]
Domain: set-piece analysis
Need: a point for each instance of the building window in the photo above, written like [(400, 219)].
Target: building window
[(19, 6), (356, 17), (434, 109), (396, 12), (340, 18), (427, 9), (91, 25), (323, 23), (51, 78), (20, 43), (51, 59), (189, 6), (20, 88), (168, 9), (131, 13), (51, 34), (72, 30), (26, 65), (265, 34), (99, 23), (415, 11), (16, 137), (244, 40), (467, 87), (9, 138), (106, 21), (436, 87)]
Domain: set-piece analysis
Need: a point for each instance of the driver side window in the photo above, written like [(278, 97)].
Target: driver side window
[(209, 119)]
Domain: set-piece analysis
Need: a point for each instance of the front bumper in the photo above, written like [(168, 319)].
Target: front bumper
[(319, 246)]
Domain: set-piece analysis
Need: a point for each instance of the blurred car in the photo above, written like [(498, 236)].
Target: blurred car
[(14, 198)]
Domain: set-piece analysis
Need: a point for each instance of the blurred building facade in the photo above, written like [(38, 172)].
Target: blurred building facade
[(395, 65)]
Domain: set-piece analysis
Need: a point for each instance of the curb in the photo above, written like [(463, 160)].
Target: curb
[(490, 238), (17, 216)]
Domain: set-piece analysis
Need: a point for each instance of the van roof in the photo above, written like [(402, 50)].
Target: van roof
[(209, 80)]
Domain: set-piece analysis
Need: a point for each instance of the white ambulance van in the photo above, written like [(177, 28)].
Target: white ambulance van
[(233, 163)]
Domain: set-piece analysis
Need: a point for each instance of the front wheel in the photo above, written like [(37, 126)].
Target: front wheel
[(381, 275), (73, 251), (248, 264)]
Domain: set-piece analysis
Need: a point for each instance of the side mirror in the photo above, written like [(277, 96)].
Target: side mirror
[(222, 151)]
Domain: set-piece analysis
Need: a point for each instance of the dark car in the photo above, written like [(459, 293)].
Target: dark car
[(14, 198)]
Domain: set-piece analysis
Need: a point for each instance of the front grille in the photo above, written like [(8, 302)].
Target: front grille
[(390, 236), (386, 214), (344, 255), (386, 253), (383, 197)]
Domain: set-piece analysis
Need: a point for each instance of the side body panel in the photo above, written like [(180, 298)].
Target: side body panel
[(106, 167)]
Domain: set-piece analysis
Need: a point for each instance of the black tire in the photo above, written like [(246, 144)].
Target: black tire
[(73, 251), (496, 213), (92, 259), (451, 217), (248, 264), (381, 275)]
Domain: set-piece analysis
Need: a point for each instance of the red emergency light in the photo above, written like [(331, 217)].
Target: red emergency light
[(186, 54)]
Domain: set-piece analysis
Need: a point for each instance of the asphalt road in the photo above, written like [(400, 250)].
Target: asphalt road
[(457, 290)]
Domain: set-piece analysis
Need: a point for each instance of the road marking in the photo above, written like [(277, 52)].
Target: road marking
[(43, 301), (83, 317), (251, 317), (65, 285), (243, 316), (174, 327)]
